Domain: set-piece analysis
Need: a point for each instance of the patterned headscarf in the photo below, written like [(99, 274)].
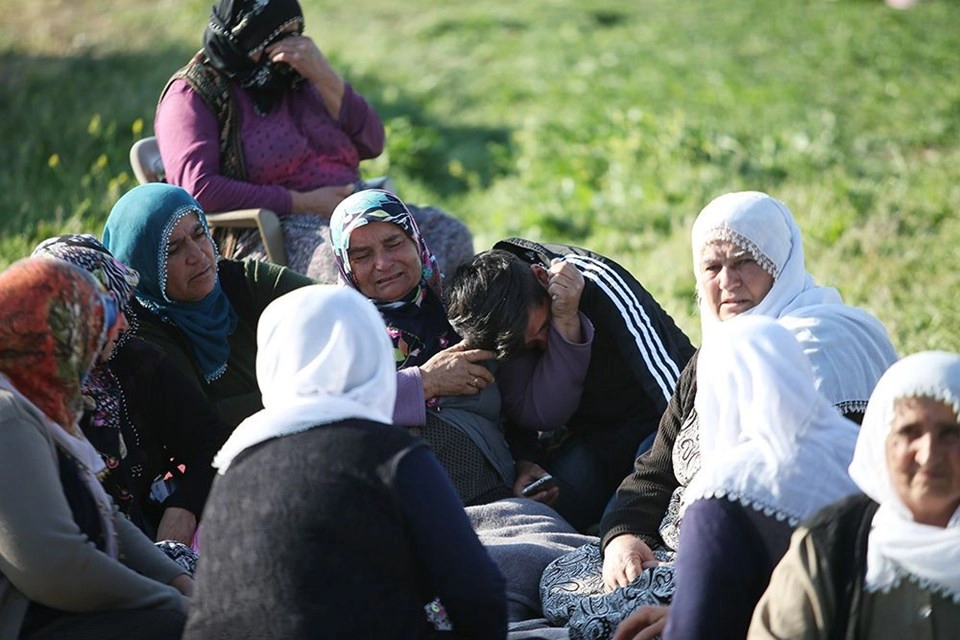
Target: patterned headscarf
[(239, 28), (106, 405), (417, 323), (52, 318), (86, 252), (767, 438), (137, 232), (897, 546)]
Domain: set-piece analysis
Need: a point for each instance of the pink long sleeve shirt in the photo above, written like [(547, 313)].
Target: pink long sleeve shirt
[(298, 146)]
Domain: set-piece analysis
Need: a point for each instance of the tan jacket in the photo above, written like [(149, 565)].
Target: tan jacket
[(44, 557), (800, 603)]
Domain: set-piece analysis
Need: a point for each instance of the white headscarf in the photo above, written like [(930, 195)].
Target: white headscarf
[(767, 438), (848, 347), (323, 356), (765, 228), (898, 546)]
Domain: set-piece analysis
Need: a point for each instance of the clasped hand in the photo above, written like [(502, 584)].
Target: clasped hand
[(456, 371), (624, 558), (565, 286)]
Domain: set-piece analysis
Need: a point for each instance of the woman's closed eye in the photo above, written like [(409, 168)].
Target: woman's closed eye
[(359, 256), (950, 433)]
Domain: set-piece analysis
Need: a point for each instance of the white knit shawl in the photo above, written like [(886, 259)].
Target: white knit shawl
[(767, 438)]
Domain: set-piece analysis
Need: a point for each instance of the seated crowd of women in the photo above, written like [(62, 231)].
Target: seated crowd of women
[(331, 459)]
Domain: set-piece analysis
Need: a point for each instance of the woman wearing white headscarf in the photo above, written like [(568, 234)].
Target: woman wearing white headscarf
[(327, 520), (750, 231), (773, 452), (885, 564), (748, 260)]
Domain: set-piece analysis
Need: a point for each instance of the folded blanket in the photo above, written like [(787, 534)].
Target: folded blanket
[(523, 537)]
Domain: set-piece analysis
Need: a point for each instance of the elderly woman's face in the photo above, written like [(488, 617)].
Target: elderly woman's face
[(384, 260), (923, 457), (191, 262), (731, 281)]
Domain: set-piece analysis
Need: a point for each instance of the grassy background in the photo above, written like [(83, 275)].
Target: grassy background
[(607, 124)]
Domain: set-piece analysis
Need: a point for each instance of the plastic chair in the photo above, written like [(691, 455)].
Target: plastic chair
[(148, 167)]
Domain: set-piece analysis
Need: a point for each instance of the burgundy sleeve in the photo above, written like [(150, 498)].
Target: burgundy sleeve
[(359, 121), (188, 135)]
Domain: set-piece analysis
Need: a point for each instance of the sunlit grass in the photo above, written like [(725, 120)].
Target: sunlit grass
[(606, 124)]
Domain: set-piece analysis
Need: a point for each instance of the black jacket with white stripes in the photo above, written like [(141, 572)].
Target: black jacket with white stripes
[(637, 354)]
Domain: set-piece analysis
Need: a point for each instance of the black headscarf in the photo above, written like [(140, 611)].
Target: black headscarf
[(237, 28)]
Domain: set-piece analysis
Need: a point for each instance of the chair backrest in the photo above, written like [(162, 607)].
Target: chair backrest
[(147, 166), (145, 160)]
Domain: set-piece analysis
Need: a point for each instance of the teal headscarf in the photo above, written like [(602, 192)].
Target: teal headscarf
[(136, 233)]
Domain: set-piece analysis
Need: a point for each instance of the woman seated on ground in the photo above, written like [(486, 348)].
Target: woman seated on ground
[(259, 118), (373, 542), (141, 435), (884, 564), (70, 566), (773, 452), (747, 259), (201, 310), (444, 389)]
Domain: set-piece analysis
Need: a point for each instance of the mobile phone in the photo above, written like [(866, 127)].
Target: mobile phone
[(537, 485)]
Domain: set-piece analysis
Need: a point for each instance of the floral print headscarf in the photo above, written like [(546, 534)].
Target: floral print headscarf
[(86, 252), (417, 323), (52, 327)]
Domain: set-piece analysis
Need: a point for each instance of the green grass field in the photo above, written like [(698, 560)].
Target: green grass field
[(607, 124)]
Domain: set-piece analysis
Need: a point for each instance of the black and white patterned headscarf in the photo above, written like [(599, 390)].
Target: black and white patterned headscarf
[(239, 29)]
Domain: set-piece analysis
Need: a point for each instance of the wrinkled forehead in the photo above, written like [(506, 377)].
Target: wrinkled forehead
[(930, 375), (912, 403), (753, 221), (727, 245)]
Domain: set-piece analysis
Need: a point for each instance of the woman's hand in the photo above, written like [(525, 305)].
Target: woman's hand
[(322, 201), (177, 524), (528, 472), (456, 371), (303, 54), (643, 624), (183, 583), (624, 558)]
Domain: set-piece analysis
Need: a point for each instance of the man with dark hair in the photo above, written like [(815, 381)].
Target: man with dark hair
[(587, 354)]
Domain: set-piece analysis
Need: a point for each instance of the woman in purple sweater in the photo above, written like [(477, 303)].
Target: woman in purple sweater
[(259, 118)]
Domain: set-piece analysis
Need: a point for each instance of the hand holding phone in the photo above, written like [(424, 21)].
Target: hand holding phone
[(537, 485)]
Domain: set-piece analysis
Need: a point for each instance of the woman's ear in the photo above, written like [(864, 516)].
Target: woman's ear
[(540, 273)]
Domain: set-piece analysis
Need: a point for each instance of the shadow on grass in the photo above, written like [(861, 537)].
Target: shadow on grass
[(69, 122)]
